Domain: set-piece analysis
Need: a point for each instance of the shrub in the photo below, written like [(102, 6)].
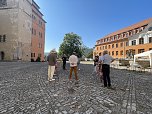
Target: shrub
[(38, 59)]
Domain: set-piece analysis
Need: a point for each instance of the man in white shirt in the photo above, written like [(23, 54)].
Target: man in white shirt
[(73, 59), (106, 60)]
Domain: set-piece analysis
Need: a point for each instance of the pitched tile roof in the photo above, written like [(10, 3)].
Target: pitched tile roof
[(130, 27)]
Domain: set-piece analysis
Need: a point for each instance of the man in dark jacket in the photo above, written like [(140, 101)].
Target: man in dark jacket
[(64, 62), (52, 63)]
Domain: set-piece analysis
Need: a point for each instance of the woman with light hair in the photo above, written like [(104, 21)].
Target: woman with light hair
[(52, 63)]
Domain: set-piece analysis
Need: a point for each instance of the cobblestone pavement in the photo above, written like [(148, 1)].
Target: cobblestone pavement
[(24, 89)]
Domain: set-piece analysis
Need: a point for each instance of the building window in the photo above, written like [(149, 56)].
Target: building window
[(33, 17), (105, 47), (97, 48), (121, 52), (136, 31), (127, 34), (112, 52), (133, 52), (150, 39), (127, 43), (40, 23), (3, 3), (116, 52), (141, 50), (123, 35), (141, 40), (121, 44), (150, 48), (109, 53), (112, 45), (109, 46), (32, 54), (130, 33), (134, 42), (4, 38), (100, 48), (115, 37), (127, 52), (116, 45), (119, 36), (41, 35)]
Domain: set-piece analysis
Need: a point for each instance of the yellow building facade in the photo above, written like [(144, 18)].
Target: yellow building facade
[(127, 42)]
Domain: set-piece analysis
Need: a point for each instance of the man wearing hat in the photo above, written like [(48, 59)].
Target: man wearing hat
[(52, 63)]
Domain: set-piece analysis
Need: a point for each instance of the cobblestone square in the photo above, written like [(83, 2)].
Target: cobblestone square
[(24, 89)]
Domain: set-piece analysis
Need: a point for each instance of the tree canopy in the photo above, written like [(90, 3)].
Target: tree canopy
[(71, 43), (88, 52)]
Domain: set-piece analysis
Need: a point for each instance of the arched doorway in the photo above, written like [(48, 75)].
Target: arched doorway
[(2, 55)]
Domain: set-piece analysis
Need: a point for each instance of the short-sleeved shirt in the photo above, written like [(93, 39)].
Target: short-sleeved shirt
[(73, 60), (106, 59)]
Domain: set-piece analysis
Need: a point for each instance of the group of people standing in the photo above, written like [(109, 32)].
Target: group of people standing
[(101, 63), (52, 61)]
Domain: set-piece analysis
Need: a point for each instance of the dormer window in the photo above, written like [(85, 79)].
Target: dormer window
[(130, 33), (124, 35), (109, 39)]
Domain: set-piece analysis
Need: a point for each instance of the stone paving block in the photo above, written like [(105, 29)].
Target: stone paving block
[(24, 89)]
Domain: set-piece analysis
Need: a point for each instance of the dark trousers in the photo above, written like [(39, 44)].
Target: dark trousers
[(106, 77), (64, 65)]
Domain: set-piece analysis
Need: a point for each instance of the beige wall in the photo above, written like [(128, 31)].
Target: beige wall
[(15, 23), (25, 27)]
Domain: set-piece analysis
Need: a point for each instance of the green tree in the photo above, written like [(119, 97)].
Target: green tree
[(90, 55), (88, 52), (71, 43)]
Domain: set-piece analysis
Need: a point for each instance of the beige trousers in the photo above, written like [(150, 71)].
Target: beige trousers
[(51, 70)]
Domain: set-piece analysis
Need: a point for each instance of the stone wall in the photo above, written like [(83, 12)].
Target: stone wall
[(16, 24)]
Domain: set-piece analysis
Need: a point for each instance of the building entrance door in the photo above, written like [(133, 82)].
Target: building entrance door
[(2, 54)]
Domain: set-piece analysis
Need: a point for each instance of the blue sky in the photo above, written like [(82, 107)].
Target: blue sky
[(90, 19)]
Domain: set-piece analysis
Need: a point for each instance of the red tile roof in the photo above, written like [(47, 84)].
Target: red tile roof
[(130, 27)]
